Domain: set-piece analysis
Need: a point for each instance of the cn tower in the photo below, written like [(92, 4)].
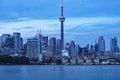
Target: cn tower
[(62, 19)]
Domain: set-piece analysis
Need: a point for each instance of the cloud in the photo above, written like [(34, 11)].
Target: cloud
[(28, 27), (23, 19), (15, 29), (74, 24), (40, 9), (93, 23), (77, 28)]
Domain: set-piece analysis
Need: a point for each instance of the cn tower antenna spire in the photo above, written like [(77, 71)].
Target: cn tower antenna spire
[(62, 2), (62, 7)]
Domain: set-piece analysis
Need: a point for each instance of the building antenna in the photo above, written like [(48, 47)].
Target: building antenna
[(61, 2)]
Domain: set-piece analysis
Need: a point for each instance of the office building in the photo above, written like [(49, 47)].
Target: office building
[(33, 48), (0, 43), (3, 38), (113, 45), (72, 48), (17, 42), (58, 45), (100, 44), (52, 46), (45, 40), (68, 48), (39, 37)]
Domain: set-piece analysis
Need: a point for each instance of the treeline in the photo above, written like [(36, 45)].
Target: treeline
[(6, 59)]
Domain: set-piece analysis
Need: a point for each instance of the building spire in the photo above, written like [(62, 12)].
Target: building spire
[(61, 7), (61, 2)]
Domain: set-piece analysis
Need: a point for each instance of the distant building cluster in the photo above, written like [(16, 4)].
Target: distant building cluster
[(43, 48), (11, 44)]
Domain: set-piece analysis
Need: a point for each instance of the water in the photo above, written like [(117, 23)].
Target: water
[(60, 72)]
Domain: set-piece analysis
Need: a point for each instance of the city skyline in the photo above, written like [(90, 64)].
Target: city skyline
[(87, 20), (99, 42), (50, 39)]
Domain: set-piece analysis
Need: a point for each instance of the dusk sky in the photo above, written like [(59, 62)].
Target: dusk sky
[(85, 19)]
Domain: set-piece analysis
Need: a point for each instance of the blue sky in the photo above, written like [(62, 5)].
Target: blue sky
[(85, 19)]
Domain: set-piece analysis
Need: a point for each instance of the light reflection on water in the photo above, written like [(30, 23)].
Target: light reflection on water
[(60, 72)]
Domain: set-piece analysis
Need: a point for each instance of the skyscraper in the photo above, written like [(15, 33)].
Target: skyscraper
[(39, 36), (17, 42), (100, 43), (52, 46), (45, 45), (33, 48), (0, 43), (68, 48), (113, 45), (72, 53), (62, 19), (45, 40), (8, 46), (58, 44), (9, 43), (3, 38)]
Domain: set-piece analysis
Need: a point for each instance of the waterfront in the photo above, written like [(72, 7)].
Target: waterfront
[(60, 72)]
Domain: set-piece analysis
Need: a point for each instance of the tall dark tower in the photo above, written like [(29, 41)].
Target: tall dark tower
[(62, 19)]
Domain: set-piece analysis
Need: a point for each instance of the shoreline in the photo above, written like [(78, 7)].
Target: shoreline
[(57, 64)]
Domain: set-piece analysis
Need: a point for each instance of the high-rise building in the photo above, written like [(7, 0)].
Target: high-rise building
[(3, 38), (68, 48), (39, 36), (3, 49), (8, 46), (77, 50), (80, 50), (0, 43), (96, 47), (45, 39), (72, 51), (58, 45), (21, 46), (45, 45), (91, 49), (100, 43), (24, 49), (33, 48), (9, 43), (52, 46), (17, 42), (113, 45), (62, 19)]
